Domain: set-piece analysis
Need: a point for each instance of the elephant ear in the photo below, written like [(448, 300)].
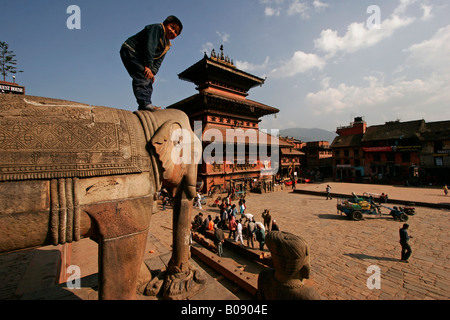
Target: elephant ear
[(173, 144)]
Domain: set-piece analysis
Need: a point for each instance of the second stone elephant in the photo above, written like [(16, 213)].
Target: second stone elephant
[(70, 171)]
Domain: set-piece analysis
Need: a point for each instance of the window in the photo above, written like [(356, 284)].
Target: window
[(439, 161)]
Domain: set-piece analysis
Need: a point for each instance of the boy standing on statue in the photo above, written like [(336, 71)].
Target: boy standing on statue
[(143, 54)]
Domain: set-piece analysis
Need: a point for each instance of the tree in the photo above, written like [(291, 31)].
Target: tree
[(7, 61)]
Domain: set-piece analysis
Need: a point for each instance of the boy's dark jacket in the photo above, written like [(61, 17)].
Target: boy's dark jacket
[(150, 45)]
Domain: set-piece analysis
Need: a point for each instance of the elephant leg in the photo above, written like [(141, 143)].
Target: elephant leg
[(122, 229), (183, 279), (119, 266)]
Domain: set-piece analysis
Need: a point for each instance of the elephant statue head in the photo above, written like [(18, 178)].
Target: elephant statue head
[(178, 150)]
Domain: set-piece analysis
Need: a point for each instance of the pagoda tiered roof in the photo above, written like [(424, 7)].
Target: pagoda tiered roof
[(218, 71), (223, 88)]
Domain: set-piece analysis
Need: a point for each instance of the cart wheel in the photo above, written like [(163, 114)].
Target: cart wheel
[(403, 217), (357, 215)]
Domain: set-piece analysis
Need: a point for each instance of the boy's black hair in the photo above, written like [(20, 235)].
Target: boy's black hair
[(173, 19)]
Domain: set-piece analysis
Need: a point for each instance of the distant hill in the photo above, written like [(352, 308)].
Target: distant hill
[(308, 135)]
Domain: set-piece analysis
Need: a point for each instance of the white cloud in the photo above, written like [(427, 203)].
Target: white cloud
[(325, 82), (404, 4), (272, 11), (432, 54), (247, 66), (301, 62), (320, 5), (273, 7), (409, 98), (375, 94), (358, 36), (225, 37), (207, 47), (299, 7), (293, 7), (427, 15)]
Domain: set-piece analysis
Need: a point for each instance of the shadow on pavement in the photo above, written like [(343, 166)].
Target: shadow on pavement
[(362, 256)]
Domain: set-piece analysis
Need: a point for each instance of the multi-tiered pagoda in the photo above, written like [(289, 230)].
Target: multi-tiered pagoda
[(221, 106)]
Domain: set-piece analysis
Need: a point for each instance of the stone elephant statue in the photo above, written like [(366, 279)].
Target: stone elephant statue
[(291, 260), (70, 171)]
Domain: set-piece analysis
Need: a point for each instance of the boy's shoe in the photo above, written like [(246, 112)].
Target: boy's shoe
[(149, 107)]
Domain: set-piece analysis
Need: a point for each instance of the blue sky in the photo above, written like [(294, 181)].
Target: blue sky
[(326, 61)]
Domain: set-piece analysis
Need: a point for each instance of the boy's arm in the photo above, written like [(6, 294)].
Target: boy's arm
[(154, 34), (157, 64)]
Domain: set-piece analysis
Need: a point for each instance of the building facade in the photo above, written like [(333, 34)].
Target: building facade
[(392, 151), (291, 158), (236, 154), (348, 156), (435, 154), (410, 153), (318, 160)]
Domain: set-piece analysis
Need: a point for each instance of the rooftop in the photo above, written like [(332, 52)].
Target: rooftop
[(218, 70)]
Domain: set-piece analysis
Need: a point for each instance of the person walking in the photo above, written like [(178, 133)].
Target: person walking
[(328, 189), (223, 219), (239, 232), (251, 227), (242, 208), (199, 201), (165, 202), (219, 238), (445, 190), (233, 211), (267, 219), (232, 226), (404, 242), (260, 237)]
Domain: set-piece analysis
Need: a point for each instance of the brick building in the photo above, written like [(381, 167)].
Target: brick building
[(291, 158), (392, 151), (222, 110), (348, 156), (435, 153), (318, 159), (412, 152)]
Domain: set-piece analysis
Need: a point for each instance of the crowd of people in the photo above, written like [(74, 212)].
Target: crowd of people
[(235, 219)]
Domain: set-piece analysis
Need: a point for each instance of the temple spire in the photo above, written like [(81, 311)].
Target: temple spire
[(220, 57)]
